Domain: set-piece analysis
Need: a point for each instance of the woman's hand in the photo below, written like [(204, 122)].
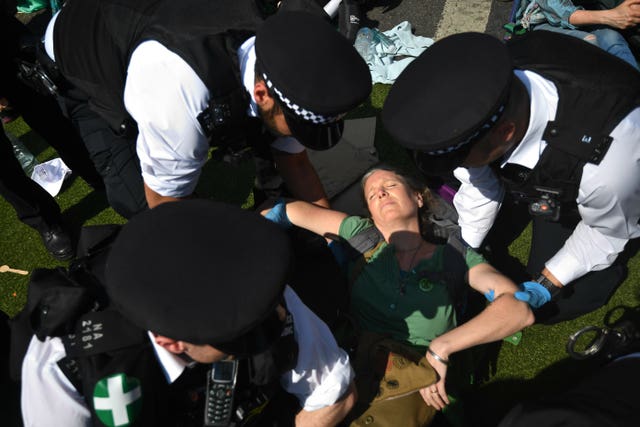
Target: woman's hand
[(625, 15), (436, 395)]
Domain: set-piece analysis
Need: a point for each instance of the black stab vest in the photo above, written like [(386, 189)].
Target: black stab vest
[(204, 33), (596, 91)]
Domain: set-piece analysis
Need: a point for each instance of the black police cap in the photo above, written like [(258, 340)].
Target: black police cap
[(448, 97), (199, 271), (316, 74)]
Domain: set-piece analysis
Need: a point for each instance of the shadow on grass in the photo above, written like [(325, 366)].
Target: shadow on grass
[(35, 143), (501, 395), (630, 251), (487, 405), (86, 208), (228, 183)]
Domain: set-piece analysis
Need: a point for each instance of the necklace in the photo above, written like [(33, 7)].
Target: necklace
[(403, 280)]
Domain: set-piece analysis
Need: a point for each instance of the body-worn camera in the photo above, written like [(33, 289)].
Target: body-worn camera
[(546, 204), (225, 124)]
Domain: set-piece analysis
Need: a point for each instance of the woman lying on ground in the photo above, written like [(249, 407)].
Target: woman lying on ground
[(393, 293)]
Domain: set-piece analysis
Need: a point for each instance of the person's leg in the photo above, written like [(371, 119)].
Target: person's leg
[(584, 35), (579, 297), (43, 114), (114, 157), (605, 38), (33, 205)]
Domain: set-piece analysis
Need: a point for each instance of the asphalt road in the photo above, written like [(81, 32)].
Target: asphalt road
[(438, 18)]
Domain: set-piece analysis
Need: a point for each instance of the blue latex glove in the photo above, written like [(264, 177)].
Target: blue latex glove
[(278, 214), (534, 294), (490, 296)]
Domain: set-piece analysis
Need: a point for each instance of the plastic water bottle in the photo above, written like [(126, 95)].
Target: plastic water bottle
[(364, 41), (25, 157)]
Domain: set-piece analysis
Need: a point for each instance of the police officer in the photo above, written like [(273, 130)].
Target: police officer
[(161, 78), (33, 205), (210, 287), (543, 128)]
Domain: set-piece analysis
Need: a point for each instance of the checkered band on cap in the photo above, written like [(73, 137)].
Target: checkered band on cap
[(304, 114), (481, 131)]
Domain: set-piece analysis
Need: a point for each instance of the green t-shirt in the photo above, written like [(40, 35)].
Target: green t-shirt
[(407, 305)]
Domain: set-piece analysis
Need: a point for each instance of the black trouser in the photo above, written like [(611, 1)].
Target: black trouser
[(43, 115), (584, 294), (114, 156), (33, 205)]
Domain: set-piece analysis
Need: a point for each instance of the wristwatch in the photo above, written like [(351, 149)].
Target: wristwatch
[(548, 285)]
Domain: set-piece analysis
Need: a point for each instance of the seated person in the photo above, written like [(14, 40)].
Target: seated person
[(397, 293), (211, 286), (599, 27)]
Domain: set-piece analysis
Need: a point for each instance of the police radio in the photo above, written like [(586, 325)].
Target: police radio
[(221, 384)]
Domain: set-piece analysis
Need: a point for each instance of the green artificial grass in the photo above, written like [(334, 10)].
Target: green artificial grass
[(538, 366)]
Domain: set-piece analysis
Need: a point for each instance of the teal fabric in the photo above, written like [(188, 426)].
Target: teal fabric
[(30, 6)]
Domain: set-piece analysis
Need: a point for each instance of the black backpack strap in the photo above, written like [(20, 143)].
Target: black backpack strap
[(366, 240), (454, 272), (364, 245), (455, 262)]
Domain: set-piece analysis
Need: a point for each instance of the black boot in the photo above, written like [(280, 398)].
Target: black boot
[(58, 243)]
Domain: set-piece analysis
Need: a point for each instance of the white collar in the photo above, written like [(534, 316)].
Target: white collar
[(247, 61), (172, 365), (544, 102)]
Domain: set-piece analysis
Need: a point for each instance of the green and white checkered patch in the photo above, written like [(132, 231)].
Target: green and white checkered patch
[(117, 400)]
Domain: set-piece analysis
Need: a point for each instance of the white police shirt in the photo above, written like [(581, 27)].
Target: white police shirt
[(608, 197), (164, 95), (321, 376)]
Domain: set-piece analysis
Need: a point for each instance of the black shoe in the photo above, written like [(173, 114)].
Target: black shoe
[(58, 243)]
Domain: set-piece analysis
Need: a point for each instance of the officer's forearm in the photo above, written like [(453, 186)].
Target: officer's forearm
[(301, 178), (154, 199), (330, 415)]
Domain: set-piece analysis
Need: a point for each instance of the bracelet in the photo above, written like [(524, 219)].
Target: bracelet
[(438, 358)]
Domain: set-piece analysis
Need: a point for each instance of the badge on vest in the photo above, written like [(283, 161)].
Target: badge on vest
[(117, 400)]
